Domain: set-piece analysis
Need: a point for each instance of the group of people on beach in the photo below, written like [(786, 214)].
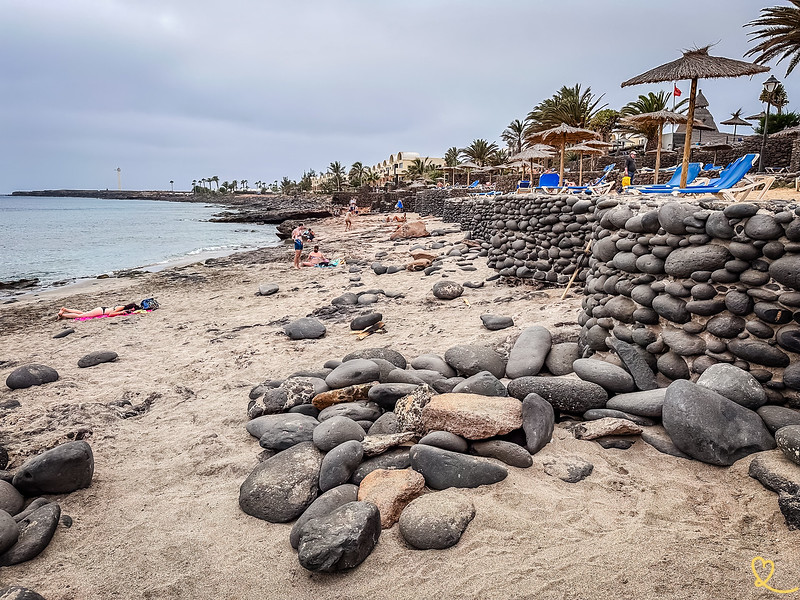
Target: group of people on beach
[(315, 258)]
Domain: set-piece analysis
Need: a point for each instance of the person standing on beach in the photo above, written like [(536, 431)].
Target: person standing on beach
[(630, 165), (297, 236)]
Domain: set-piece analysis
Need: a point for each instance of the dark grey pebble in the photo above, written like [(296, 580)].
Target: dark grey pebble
[(95, 358), (495, 322), (323, 505), (341, 539), (60, 470), (443, 469), (30, 375)]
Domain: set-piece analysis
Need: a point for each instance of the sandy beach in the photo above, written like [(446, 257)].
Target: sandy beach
[(166, 425)]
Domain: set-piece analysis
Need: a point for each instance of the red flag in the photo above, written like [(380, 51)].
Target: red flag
[(676, 91)]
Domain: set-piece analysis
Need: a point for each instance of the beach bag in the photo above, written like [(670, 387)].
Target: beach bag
[(626, 181), (149, 304)]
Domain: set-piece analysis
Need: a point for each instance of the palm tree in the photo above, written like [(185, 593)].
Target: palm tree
[(514, 136), (371, 177), (778, 98), (419, 168), (194, 184), (356, 174), (778, 36), (337, 170), (499, 157), (647, 104), (244, 185), (215, 179), (451, 157), (479, 151), (569, 105)]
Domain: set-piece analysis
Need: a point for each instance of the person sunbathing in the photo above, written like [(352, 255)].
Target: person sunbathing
[(316, 258), (108, 311)]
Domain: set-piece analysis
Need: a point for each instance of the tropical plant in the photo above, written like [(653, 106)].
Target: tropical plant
[(778, 122), (356, 174), (305, 181), (647, 104), (287, 185), (244, 185), (419, 168), (778, 35), (214, 179), (514, 136), (604, 122), (451, 157), (371, 177), (479, 151), (777, 98), (569, 105), (499, 157), (337, 170)]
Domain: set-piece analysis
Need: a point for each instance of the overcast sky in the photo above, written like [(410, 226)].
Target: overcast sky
[(258, 89)]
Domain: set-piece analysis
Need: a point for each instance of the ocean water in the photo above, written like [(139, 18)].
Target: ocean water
[(63, 240)]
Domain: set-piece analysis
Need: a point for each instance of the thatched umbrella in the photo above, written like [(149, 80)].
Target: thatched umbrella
[(735, 121), (659, 118), (695, 64), (562, 135), (532, 153), (715, 147), (453, 169), (788, 132), (597, 144), (469, 165), (582, 149)]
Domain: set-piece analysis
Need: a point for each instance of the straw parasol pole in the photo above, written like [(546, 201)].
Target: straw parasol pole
[(715, 147), (735, 121), (562, 135), (597, 144), (695, 64), (468, 165), (535, 152), (582, 149), (659, 117)]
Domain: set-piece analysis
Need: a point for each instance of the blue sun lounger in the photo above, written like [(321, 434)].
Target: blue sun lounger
[(723, 186), (674, 181), (596, 187)]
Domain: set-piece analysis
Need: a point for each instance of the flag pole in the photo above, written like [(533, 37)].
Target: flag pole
[(674, 85)]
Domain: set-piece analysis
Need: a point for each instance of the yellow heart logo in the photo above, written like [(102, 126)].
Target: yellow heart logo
[(760, 565), (763, 566)]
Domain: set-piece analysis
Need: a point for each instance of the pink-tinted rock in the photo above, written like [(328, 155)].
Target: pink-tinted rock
[(391, 491), (414, 229), (472, 416)]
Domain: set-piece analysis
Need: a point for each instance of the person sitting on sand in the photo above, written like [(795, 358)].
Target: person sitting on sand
[(316, 258), (297, 236), (108, 311)]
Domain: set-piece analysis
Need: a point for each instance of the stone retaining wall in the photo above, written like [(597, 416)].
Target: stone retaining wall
[(530, 236), (691, 285)]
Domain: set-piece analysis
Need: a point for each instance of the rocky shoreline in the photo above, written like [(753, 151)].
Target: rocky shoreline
[(462, 382)]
